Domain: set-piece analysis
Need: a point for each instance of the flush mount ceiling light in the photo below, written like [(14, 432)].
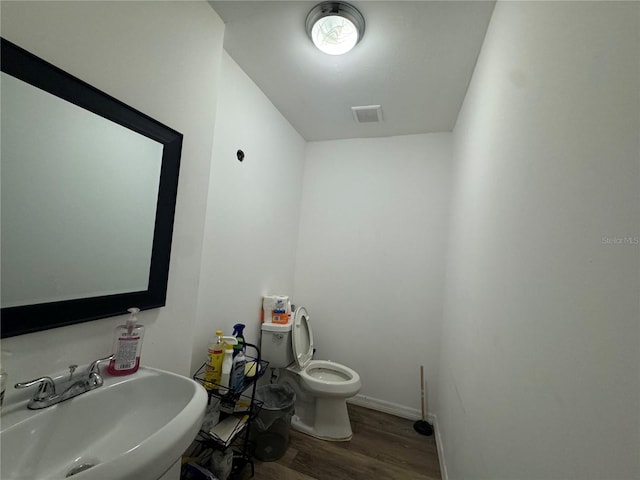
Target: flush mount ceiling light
[(335, 27)]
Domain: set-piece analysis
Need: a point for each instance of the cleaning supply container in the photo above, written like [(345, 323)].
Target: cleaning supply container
[(270, 434)]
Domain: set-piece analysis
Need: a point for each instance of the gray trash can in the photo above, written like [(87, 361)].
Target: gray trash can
[(270, 430)]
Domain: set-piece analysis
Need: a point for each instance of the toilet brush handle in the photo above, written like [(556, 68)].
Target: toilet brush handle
[(422, 390)]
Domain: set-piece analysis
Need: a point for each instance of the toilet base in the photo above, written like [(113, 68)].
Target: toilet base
[(330, 420)]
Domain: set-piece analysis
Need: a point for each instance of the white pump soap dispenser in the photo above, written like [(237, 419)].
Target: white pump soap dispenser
[(127, 346), (3, 377)]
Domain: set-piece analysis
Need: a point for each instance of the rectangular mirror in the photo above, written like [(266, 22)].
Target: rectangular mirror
[(88, 190)]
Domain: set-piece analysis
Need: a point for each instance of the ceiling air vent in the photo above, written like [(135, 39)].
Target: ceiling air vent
[(367, 114)]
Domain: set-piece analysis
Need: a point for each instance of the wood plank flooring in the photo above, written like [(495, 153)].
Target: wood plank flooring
[(383, 447)]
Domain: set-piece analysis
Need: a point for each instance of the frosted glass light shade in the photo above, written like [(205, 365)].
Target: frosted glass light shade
[(334, 35), (335, 27)]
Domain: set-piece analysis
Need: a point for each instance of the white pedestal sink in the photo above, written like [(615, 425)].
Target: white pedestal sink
[(132, 428)]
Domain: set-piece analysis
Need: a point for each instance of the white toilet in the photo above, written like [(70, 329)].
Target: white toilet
[(322, 387)]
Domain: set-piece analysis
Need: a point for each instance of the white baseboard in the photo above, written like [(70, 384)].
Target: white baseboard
[(443, 463), (408, 413), (387, 407)]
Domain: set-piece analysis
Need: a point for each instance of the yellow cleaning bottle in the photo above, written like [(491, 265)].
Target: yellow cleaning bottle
[(213, 367), (215, 355)]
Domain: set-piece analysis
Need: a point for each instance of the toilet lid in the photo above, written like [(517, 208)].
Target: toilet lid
[(302, 337)]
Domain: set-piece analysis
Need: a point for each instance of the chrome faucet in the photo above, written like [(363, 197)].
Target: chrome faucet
[(95, 378), (46, 395)]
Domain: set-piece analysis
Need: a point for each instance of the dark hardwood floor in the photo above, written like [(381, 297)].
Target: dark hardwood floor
[(383, 447)]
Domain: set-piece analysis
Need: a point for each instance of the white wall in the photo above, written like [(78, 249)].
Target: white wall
[(253, 210), (540, 366), (163, 59), (370, 261)]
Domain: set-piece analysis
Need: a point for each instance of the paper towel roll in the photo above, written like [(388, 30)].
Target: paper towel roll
[(268, 304), (276, 308)]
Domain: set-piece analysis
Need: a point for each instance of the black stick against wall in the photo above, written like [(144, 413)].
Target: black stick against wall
[(422, 426)]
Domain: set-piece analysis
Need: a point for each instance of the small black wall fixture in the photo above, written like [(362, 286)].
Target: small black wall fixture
[(240, 155)]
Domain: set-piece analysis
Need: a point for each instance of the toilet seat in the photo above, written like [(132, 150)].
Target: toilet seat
[(320, 376), (327, 378), (302, 337)]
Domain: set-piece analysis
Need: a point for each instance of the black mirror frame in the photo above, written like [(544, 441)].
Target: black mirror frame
[(31, 69)]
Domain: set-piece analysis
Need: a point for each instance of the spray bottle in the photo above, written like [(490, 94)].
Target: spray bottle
[(238, 332), (237, 375)]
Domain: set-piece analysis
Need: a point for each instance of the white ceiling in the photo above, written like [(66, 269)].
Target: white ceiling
[(416, 59)]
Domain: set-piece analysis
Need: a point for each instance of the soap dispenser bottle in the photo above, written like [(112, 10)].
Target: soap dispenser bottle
[(127, 345), (3, 377)]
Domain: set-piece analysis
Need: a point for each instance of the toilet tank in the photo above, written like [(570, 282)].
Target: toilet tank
[(275, 344)]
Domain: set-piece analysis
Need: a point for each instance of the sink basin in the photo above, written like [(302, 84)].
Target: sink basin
[(134, 427)]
